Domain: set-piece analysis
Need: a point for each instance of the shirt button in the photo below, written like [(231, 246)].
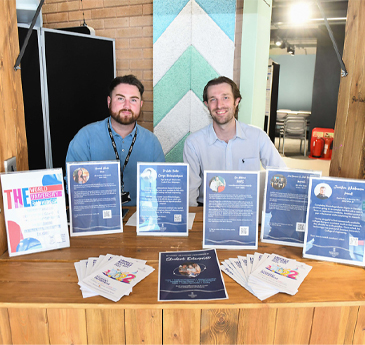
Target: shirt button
[(122, 150)]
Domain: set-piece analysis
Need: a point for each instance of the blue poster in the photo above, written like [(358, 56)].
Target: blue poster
[(162, 199), (230, 209), (285, 206), (190, 276), (336, 221), (94, 198)]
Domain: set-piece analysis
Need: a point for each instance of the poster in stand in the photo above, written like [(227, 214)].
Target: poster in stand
[(35, 211), (190, 276), (94, 198), (336, 221), (230, 209), (285, 206), (162, 199)]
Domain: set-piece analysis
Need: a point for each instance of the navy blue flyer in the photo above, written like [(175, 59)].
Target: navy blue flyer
[(336, 221), (285, 206), (190, 276), (230, 209), (162, 199), (94, 198)]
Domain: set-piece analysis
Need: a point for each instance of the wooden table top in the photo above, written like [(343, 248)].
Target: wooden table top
[(49, 278)]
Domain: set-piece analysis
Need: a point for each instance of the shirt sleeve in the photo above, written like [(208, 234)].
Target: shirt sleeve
[(190, 156), (269, 155), (78, 149), (158, 152)]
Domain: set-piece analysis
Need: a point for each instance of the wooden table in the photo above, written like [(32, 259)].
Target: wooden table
[(40, 301)]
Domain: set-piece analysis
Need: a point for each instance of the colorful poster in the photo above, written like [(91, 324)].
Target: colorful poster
[(285, 206), (190, 276), (162, 199), (35, 211), (336, 221), (230, 209), (94, 198)]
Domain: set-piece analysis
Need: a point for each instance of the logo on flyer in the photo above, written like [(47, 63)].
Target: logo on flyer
[(192, 295), (334, 253)]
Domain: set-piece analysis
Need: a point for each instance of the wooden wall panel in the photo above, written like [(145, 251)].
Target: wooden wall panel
[(293, 325), (252, 322), (5, 334), (333, 325), (143, 326), (12, 124), (348, 158), (105, 326), (359, 335), (219, 326), (67, 326), (181, 326), (28, 325)]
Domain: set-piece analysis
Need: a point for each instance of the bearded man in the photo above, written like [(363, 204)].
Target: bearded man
[(119, 137), (226, 144)]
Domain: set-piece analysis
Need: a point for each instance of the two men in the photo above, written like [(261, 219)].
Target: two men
[(226, 144), (119, 136)]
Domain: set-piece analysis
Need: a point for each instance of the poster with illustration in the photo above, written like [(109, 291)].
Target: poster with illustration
[(190, 276), (336, 221), (285, 206), (230, 209), (35, 211), (162, 199), (94, 198)]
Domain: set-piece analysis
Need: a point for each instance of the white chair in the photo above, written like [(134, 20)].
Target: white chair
[(280, 119), (295, 127)]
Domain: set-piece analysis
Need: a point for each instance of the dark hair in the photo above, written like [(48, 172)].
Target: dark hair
[(221, 80), (126, 79)]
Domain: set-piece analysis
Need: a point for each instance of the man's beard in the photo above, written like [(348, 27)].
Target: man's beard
[(122, 119)]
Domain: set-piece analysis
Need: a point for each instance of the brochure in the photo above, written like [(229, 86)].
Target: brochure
[(230, 209), (336, 221), (285, 206), (114, 278), (270, 274), (190, 275), (162, 199), (94, 198), (35, 211)]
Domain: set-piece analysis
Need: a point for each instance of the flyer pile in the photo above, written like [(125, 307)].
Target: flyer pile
[(265, 275), (110, 276)]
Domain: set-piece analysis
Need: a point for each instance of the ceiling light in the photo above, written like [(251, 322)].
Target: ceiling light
[(291, 50), (300, 13)]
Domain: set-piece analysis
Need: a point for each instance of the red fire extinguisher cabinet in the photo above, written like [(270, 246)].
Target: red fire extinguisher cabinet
[(324, 138)]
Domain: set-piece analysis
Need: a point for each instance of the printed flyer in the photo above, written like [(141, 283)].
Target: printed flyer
[(94, 198), (162, 199), (285, 206), (336, 221), (35, 211), (190, 276), (230, 209)]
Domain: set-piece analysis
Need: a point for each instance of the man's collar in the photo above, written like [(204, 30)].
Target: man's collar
[(213, 136), (115, 133)]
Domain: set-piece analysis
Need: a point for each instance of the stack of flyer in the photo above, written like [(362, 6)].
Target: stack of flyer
[(265, 275), (110, 276)]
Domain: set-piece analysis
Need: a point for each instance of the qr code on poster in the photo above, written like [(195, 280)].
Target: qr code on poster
[(300, 227), (107, 214), (244, 230), (177, 218), (354, 241)]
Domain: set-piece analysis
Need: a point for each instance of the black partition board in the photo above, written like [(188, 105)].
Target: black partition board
[(31, 84), (79, 71)]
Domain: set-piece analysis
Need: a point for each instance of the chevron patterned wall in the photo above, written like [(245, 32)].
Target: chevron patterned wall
[(193, 42)]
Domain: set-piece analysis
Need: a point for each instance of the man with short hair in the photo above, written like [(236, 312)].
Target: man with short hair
[(226, 144), (119, 136)]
